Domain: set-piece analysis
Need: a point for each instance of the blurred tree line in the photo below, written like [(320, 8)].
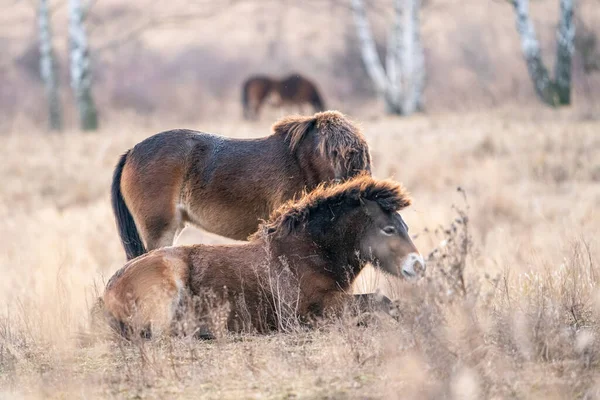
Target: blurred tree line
[(398, 77)]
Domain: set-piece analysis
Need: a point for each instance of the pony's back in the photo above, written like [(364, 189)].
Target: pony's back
[(297, 89)]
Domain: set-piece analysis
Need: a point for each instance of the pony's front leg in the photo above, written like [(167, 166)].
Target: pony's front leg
[(358, 304), (369, 302)]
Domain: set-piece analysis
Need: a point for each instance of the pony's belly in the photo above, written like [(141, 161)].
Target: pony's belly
[(235, 222)]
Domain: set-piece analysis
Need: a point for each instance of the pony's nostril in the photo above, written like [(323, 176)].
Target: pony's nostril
[(420, 265)]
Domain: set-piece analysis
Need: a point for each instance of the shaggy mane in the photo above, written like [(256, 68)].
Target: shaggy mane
[(340, 137), (389, 195)]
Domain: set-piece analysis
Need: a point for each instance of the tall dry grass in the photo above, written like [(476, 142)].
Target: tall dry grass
[(509, 307)]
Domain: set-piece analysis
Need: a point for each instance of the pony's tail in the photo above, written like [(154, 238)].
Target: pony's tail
[(317, 101), (102, 321), (130, 238)]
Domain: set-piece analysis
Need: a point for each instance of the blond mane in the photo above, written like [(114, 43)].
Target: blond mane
[(389, 195), (341, 141)]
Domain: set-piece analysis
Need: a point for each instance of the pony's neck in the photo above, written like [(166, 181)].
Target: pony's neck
[(311, 166), (314, 167), (342, 256), (337, 260)]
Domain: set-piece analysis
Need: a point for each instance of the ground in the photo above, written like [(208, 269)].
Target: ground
[(510, 306)]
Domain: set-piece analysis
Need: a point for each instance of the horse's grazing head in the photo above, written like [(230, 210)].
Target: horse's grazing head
[(358, 219), (342, 149)]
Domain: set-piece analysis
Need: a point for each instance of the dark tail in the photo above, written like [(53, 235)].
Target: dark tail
[(125, 224)]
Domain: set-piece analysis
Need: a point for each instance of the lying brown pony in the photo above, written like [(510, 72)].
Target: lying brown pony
[(306, 258), (224, 185)]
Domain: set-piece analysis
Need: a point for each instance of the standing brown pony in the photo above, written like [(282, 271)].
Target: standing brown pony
[(223, 185), (292, 90), (301, 263)]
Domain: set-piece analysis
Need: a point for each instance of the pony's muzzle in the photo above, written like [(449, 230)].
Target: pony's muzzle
[(413, 266)]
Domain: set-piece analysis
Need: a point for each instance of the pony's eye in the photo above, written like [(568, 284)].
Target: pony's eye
[(389, 230)]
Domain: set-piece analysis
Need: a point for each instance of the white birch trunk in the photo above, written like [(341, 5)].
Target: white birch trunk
[(533, 57), (565, 36), (411, 56), (394, 61), (81, 76), (48, 69), (368, 48), (408, 57), (419, 60), (401, 82)]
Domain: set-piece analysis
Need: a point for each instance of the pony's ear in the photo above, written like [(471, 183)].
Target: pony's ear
[(294, 129)]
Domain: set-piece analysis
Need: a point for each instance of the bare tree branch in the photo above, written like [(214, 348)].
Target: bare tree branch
[(158, 22), (58, 6), (373, 6)]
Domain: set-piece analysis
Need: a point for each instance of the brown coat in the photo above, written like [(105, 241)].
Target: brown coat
[(225, 185)]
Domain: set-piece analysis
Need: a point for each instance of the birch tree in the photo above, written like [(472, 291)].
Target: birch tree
[(48, 67), (401, 82), (81, 72), (557, 91)]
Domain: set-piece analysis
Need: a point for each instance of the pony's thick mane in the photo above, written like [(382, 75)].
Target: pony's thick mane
[(389, 195), (341, 140)]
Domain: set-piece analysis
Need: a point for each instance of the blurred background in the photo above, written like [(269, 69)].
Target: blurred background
[(185, 61)]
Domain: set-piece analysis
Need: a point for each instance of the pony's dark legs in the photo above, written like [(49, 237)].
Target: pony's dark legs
[(367, 302), (255, 109), (251, 113), (359, 304)]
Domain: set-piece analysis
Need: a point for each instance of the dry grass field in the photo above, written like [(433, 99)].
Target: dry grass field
[(510, 307)]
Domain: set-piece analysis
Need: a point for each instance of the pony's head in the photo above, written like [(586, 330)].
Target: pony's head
[(355, 220), (387, 244), (342, 149)]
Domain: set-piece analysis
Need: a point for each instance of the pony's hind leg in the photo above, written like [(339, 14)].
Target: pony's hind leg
[(162, 238), (164, 232), (152, 196), (163, 228)]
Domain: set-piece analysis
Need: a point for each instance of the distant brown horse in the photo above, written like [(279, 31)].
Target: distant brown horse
[(301, 263), (292, 90), (223, 185)]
